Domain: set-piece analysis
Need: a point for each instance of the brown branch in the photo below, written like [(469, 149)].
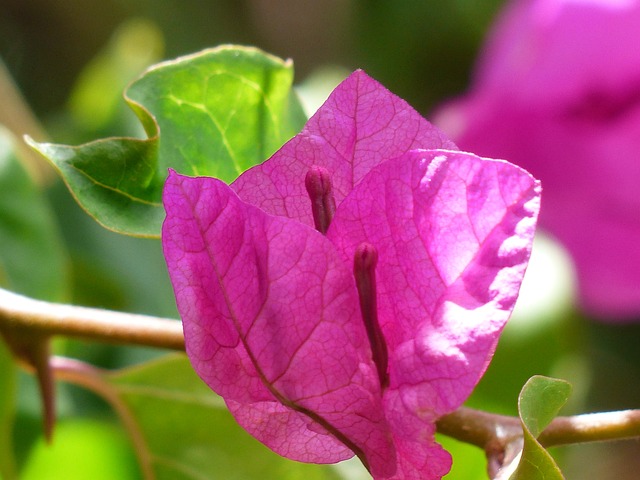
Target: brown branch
[(498, 435), (479, 428), (482, 428), (20, 314), (592, 427)]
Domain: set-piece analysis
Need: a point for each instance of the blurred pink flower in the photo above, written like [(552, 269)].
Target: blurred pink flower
[(355, 336), (557, 91)]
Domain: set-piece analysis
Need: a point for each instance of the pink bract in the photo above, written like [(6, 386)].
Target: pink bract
[(557, 91), (270, 306), (359, 126)]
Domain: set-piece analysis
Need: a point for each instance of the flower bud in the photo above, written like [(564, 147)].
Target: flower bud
[(364, 270), (320, 190)]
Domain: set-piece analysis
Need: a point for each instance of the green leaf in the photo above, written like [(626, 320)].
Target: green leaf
[(187, 432), (82, 449), (32, 257), (215, 113), (540, 401), (7, 412)]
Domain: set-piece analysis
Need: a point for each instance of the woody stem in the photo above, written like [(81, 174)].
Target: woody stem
[(24, 315), (20, 314)]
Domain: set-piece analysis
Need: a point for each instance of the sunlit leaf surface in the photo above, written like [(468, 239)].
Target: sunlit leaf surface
[(540, 400), (215, 113)]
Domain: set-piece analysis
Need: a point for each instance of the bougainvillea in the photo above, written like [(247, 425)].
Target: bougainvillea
[(350, 290), (557, 91)]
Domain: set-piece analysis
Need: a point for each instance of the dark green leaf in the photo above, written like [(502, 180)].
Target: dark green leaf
[(214, 113), (540, 401), (32, 257), (188, 434)]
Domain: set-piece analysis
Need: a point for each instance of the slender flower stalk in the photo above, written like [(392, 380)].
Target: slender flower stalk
[(89, 377)]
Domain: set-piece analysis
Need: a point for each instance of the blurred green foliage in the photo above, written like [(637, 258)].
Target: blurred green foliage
[(421, 50), (72, 59), (90, 449), (7, 411), (32, 258)]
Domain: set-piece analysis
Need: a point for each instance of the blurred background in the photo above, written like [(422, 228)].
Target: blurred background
[(71, 60), (421, 50)]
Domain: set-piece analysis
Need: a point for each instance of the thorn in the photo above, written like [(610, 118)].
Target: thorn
[(34, 350), (40, 358)]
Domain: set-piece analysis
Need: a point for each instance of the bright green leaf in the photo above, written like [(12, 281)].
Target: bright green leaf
[(82, 449), (214, 113), (32, 257), (7, 411), (469, 462), (188, 434), (540, 401)]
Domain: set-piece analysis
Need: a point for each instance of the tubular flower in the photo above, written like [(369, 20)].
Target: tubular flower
[(557, 91), (350, 290)]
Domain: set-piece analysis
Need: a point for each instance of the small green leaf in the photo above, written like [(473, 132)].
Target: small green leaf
[(7, 412), (540, 401), (32, 257), (215, 113), (187, 432)]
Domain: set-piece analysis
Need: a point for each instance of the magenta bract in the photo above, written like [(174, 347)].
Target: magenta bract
[(273, 309), (557, 91), (360, 126)]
